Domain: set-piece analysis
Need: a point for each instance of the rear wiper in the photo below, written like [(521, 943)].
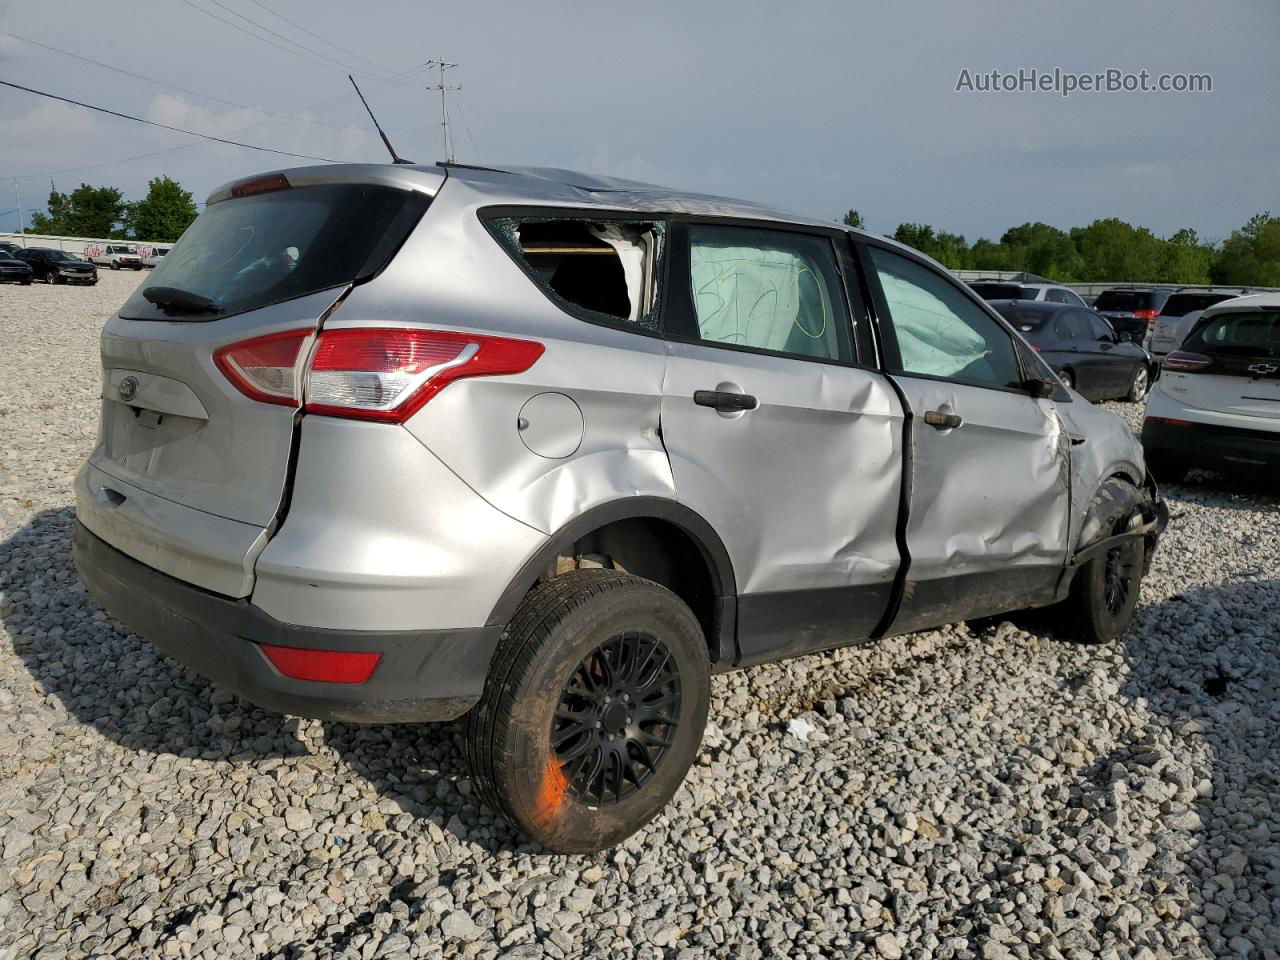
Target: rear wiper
[(177, 299)]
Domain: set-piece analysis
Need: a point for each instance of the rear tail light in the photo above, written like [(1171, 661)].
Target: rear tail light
[(322, 666), (388, 374), (265, 368), (1147, 315), (1169, 421), (1185, 362)]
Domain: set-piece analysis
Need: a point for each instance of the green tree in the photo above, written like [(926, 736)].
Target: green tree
[(949, 249), (854, 219), (1251, 255), (163, 213), (1186, 259), (84, 212), (1043, 250), (1115, 250)]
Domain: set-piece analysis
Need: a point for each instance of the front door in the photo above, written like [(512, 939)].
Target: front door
[(990, 464), (776, 435)]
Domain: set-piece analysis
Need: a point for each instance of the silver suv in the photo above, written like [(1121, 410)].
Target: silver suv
[(403, 443)]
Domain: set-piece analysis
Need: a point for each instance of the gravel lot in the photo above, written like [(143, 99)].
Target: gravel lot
[(971, 792)]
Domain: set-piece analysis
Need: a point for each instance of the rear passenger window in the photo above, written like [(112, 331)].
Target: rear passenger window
[(603, 270), (770, 290)]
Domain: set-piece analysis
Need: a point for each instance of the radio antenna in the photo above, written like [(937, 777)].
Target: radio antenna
[(395, 157)]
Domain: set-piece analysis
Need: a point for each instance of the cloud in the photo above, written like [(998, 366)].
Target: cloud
[(49, 122)]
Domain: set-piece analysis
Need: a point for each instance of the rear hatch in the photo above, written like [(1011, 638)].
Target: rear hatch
[(197, 427), (1230, 363)]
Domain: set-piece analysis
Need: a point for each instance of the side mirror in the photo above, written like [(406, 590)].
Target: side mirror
[(1040, 389)]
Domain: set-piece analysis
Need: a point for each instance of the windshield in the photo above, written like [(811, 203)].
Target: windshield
[(249, 252), (1123, 300), (1237, 334), (62, 255)]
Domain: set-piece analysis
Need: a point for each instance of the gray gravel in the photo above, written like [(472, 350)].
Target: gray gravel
[(984, 791)]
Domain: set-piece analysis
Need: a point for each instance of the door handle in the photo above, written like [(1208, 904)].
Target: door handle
[(724, 400), (943, 421)]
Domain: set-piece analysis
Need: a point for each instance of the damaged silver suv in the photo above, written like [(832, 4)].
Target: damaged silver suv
[(402, 443)]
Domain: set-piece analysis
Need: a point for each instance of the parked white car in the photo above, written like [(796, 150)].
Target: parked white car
[(1217, 402), (1179, 315), (1017, 290)]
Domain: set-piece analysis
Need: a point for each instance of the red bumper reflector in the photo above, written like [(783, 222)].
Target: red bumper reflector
[(322, 666), (1170, 421)]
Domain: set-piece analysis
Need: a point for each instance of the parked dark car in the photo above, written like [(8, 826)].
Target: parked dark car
[(8, 249), (58, 266), (1132, 311), (13, 270), (1083, 349)]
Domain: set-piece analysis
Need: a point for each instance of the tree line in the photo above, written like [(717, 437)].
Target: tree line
[(1109, 250), (103, 212)]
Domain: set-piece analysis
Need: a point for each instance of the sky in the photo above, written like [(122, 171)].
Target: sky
[(811, 106)]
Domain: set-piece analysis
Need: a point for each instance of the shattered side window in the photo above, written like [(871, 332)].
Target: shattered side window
[(602, 270)]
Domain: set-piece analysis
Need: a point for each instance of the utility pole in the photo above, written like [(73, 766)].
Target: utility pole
[(17, 193), (444, 105)]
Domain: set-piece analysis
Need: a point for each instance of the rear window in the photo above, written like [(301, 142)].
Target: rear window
[(1001, 291), (1024, 321), (1124, 300), (1237, 334), (250, 252), (1180, 304)]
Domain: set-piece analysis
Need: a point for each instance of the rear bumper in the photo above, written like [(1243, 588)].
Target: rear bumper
[(421, 676), (1211, 445)]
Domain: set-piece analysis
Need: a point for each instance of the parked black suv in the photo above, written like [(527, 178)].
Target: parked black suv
[(1132, 310)]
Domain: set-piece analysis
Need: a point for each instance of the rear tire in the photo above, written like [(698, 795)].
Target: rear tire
[(1140, 386), (1105, 590), (593, 710)]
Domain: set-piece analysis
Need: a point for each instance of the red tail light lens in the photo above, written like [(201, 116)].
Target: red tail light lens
[(265, 368), (322, 666), (388, 374), (1185, 362), (1147, 315)]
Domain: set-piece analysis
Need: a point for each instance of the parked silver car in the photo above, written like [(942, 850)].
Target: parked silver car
[(403, 443)]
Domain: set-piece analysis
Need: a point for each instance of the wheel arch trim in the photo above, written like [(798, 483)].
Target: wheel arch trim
[(692, 524)]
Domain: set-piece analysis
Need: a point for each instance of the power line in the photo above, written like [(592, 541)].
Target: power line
[(127, 73), (397, 79), (267, 40), (165, 126), (317, 36), (281, 36)]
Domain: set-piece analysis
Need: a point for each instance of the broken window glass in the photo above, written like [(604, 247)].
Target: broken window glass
[(604, 269)]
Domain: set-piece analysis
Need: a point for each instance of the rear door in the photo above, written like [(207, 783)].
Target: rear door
[(989, 466), (778, 436), (200, 370)]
